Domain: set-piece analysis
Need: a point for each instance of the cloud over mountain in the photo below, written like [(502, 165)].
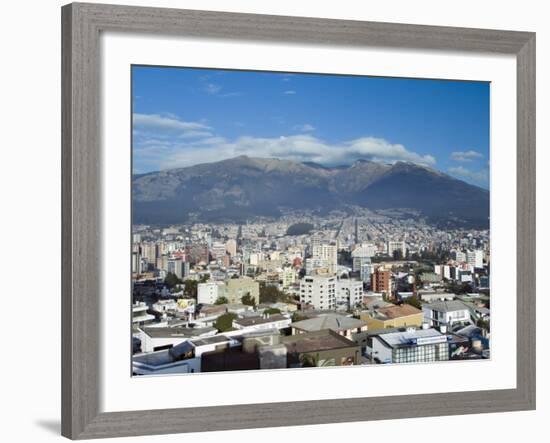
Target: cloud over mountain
[(182, 143)]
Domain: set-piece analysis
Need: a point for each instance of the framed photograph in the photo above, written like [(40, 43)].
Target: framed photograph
[(281, 221)]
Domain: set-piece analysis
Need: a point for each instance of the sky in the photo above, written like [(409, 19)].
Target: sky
[(187, 116)]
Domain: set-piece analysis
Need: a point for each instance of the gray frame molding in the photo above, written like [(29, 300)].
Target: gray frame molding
[(81, 184)]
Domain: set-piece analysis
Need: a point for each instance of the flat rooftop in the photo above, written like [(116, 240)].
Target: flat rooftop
[(413, 338), (177, 332), (251, 321), (316, 341)]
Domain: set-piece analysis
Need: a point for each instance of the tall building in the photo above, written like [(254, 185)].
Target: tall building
[(287, 276), (328, 253), (394, 246), (381, 281), (197, 252), (315, 265), (318, 291), (231, 247), (458, 256), (149, 251), (176, 266), (475, 258), (217, 250), (207, 293), (362, 254), (349, 292), (366, 270)]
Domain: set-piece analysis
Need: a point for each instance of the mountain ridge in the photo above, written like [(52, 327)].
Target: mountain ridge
[(241, 187)]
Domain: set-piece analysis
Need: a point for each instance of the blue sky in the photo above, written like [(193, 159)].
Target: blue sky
[(184, 116)]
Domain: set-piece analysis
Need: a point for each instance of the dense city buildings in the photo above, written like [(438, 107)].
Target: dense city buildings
[(375, 288)]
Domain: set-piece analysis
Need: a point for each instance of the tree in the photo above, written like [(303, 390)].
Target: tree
[(221, 301), (298, 317), (248, 300), (398, 254), (171, 280), (224, 322), (204, 278), (271, 311), (413, 301), (483, 324), (190, 288), (270, 294), (309, 360), (299, 229)]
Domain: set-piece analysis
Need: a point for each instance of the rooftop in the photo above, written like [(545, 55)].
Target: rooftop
[(251, 321), (413, 337), (316, 341), (177, 332), (210, 340), (328, 321), (396, 311), (447, 306)]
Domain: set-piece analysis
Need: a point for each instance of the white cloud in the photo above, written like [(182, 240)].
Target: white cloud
[(465, 156), (212, 88), (165, 141), (289, 92), (481, 177), (304, 128), (167, 123), (299, 148)]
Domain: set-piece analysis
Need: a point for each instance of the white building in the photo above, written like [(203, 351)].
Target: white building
[(459, 256), (140, 316), (362, 254), (328, 253), (315, 264), (446, 313), (396, 246), (208, 293), (319, 291), (409, 346), (475, 258), (349, 293), (443, 270), (263, 323)]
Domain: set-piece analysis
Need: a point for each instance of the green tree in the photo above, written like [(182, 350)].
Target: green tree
[(297, 316), (224, 322), (190, 288), (309, 360), (221, 301), (413, 301), (483, 324), (171, 280), (270, 294), (398, 254), (272, 311), (204, 278), (248, 300)]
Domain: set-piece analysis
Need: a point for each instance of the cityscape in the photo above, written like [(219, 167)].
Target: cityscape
[(252, 251)]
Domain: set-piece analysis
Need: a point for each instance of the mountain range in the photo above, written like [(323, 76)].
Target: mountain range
[(242, 188)]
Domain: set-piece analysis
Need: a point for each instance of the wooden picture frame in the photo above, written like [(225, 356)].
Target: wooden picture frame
[(81, 229)]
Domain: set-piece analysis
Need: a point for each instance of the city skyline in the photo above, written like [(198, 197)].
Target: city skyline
[(183, 117)]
